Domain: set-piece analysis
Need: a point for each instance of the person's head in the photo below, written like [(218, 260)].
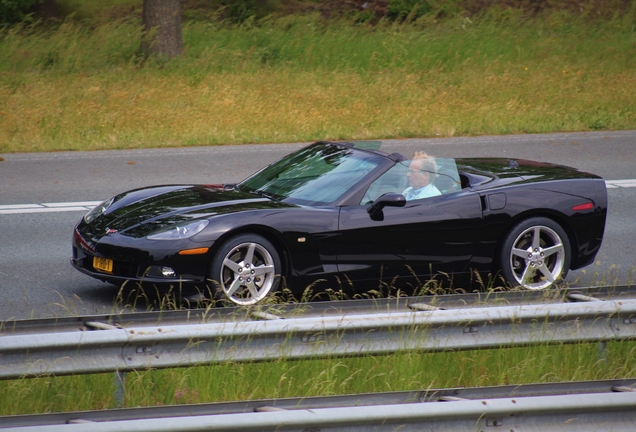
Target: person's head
[(422, 170)]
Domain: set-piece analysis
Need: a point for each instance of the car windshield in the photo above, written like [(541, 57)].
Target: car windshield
[(316, 175)]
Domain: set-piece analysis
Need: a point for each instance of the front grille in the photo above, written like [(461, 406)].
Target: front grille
[(125, 269)]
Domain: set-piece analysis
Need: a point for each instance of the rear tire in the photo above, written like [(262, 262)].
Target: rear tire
[(535, 254), (245, 269)]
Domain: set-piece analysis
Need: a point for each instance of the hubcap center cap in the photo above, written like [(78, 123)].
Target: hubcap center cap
[(535, 256), (245, 270)]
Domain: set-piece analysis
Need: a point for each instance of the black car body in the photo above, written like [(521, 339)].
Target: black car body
[(333, 210)]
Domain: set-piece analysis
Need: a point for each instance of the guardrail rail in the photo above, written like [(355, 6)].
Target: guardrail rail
[(343, 329), (576, 406)]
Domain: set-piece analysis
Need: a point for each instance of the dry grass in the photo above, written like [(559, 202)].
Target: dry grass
[(131, 108), (298, 79)]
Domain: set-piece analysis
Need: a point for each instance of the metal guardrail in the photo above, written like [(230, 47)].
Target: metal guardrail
[(313, 309), (424, 326), (577, 406)]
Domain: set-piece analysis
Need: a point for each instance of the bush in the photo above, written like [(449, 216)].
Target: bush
[(13, 11), (401, 9), (239, 11)]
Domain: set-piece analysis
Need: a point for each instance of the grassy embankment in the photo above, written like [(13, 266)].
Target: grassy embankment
[(301, 79), (298, 79)]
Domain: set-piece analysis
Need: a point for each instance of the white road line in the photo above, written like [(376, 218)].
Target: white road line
[(87, 205), (90, 204), (613, 184), (47, 207), (44, 210), (20, 206)]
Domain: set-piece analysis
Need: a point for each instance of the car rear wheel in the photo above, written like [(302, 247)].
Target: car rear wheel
[(535, 254), (245, 269)]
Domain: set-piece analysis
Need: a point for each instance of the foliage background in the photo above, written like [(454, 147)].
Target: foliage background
[(285, 70)]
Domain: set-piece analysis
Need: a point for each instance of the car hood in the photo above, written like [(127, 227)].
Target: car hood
[(141, 212)]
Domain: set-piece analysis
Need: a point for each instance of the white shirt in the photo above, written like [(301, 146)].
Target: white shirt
[(427, 191)]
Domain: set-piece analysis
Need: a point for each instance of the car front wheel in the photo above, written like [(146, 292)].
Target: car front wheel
[(535, 254), (245, 269)]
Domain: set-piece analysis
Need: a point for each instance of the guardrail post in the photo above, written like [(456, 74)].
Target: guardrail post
[(120, 389), (603, 355)]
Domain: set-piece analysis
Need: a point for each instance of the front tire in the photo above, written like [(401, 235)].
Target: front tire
[(535, 254), (245, 269)]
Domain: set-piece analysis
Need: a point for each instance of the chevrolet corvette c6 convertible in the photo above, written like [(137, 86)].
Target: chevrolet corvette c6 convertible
[(339, 212)]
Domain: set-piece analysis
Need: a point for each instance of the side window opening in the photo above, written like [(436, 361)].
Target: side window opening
[(395, 180)]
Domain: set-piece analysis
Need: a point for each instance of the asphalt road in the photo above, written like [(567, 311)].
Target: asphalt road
[(36, 279)]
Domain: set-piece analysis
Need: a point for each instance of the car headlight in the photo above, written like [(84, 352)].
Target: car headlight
[(180, 231), (98, 210)]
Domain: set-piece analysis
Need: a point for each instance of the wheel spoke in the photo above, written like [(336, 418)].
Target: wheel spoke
[(231, 265), (552, 250), (263, 269), (528, 273), (249, 256), (234, 286), (252, 289), (545, 271), (536, 238), (521, 253)]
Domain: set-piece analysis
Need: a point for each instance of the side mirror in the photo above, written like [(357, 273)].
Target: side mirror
[(386, 200)]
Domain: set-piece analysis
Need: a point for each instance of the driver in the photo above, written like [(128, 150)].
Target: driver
[(422, 171)]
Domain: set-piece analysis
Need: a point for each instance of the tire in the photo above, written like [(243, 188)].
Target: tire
[(535, 254), (245, 269)]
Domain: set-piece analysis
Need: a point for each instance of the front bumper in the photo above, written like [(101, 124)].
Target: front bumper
[(133, 265), (87, 269)]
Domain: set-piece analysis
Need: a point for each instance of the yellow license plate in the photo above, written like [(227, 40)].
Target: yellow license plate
[(103, 264)]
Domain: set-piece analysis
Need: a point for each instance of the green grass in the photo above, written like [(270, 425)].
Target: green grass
[(321, 377), (290, 79)]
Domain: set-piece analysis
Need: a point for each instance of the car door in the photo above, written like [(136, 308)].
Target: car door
[(423, 238)]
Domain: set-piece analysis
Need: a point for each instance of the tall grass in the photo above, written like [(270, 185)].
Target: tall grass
[(301, 79), (321, 377)]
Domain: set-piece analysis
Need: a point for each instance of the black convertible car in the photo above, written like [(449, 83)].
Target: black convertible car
[(355, 213)]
